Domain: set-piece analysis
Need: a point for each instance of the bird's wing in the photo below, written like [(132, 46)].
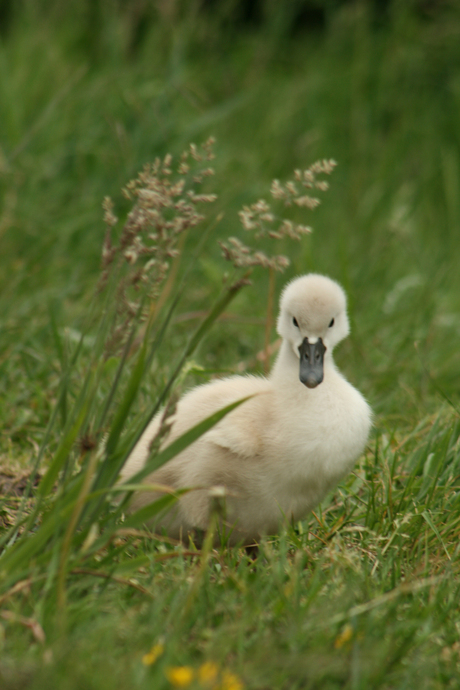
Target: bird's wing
[(241, 431)]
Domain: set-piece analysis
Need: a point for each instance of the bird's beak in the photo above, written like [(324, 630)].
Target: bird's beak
[(311, 362)]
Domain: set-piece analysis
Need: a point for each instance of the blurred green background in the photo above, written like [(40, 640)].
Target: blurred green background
[(365, 594), (90, 90)]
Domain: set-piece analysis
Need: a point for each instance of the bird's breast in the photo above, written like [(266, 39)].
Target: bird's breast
[(318, 440)]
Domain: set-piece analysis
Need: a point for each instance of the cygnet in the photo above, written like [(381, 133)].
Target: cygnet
[(278, 453)]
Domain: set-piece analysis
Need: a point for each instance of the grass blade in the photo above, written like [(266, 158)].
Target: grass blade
[(185, 440), (62, 453)]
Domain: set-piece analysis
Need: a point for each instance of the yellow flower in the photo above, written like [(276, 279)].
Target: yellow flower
[(344, 637), (230, 682), (207, 673), (179, 676), (150, 658)]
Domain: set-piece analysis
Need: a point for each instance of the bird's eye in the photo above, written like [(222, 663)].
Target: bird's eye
[(332, 323), (294, 321)]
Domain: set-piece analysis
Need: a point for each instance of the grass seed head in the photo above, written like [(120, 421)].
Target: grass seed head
[(166, 203), (260, 219)]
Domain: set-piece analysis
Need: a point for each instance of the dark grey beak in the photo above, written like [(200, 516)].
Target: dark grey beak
[(311, 362)]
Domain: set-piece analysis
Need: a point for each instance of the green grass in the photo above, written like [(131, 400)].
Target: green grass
[(364, 594)]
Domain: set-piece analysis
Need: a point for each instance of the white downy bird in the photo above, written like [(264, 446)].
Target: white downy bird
[(281, 451)]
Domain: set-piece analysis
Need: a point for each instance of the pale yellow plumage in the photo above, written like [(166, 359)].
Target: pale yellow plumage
[(280, 452)]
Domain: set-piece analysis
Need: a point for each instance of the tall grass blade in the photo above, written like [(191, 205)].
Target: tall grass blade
[(185, 440), (193, 343), (62, 453), (435, 530)]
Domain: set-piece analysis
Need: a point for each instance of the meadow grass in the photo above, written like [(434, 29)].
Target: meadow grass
[(362, 594)]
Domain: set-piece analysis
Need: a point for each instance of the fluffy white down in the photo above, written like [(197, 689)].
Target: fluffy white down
[(280, 452)]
